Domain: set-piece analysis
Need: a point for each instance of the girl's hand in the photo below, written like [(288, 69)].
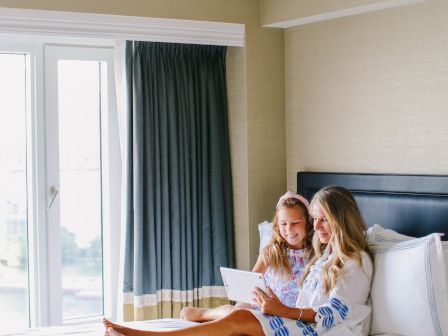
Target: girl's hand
[(268, 302)]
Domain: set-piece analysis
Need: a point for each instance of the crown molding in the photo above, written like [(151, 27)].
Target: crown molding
[(74, 24), (342, 13)]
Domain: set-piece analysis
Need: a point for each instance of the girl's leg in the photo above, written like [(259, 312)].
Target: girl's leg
[(204, 314), (209, 314), (238, 322)]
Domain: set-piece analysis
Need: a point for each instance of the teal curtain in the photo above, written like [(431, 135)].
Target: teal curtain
[(178, 179)]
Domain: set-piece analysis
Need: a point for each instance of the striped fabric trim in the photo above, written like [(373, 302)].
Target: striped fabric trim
[(277, 325), (340, 307), (430, 289), (168, 309), (327, 312), (327, 316), (386, 239), (174, 295), (404, 245), (383, 239), (307, 329)]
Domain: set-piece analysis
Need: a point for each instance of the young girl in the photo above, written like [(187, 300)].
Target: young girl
[(333, 292), (282, 261)]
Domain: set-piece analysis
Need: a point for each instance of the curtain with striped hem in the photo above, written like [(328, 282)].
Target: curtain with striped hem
[(178, 188), (168, 302)]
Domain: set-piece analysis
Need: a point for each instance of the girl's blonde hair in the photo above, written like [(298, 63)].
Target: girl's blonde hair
[(276, 253), (347, 239)]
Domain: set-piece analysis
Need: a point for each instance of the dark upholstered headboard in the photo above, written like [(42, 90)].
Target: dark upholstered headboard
[(414, 205)]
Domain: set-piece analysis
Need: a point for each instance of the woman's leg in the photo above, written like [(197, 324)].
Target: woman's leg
[(238, 322), (209, 314)]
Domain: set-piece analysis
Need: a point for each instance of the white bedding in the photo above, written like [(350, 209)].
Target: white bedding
[(98, 329)]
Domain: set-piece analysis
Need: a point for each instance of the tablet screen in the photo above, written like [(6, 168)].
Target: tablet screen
[(239, 284)]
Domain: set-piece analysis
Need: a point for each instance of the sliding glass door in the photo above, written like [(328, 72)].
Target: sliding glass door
[(60, 180)]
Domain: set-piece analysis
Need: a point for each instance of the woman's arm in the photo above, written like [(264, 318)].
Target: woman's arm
[(349, 295), (304, 314), (270, 304)]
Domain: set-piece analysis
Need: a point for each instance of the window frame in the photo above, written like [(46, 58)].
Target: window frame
[(28, 29), (45, 308)]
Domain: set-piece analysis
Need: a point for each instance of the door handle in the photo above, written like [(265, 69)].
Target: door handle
[(54, 192)]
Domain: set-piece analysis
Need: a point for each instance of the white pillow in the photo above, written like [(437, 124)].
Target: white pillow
[(409, 287), (377, 235), (265, 230), (380, 237), (445, 256)]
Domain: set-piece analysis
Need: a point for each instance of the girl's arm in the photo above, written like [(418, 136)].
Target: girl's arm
[(260, 266)]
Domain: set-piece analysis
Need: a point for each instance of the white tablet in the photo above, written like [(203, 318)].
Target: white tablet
[(239, 284)]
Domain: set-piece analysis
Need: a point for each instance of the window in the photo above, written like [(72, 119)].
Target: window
[(60, 173), (41, 253)]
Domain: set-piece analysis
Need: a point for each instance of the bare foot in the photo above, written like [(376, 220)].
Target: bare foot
[(112, 332), (113, 329), (194, 314)]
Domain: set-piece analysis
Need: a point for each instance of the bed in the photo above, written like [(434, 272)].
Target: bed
[(409, 293), (411, 206)]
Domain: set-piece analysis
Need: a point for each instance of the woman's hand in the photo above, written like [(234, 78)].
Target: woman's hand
[(268, 302)]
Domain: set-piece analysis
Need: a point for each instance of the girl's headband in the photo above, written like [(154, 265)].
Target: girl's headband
[(290, 194)]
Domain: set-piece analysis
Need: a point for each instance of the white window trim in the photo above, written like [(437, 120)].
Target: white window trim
[(37, 216), (43, 309), (71, 24), (111, 176)]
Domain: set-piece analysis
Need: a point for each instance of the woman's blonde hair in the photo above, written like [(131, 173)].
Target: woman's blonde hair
[(276, 253), (347, 239)]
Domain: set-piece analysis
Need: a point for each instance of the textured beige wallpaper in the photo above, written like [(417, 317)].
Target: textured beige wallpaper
[(368, 93), (237, 100), (256, 100), (264, 126)]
